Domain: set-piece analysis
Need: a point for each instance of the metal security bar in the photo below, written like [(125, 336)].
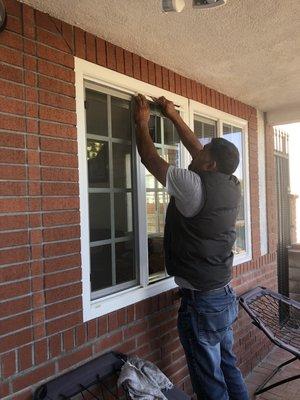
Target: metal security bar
[(281, 145), (265, 308), (97, 379)]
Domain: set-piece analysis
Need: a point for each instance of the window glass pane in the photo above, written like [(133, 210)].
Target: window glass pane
[(170, 134), (226, 129), (151, 182), (101, 276), (125, 265), (96, 113), (161, 211), (240, 244), (122, 165), (123, 214), (172, 156), (205, 129), (156, 207), (98, 163), (99, 212), (155, 129), (235, 135), (151, 212), (120, 118), (156, 257)]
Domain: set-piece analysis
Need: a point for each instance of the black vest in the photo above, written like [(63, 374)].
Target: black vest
[(199, 249)]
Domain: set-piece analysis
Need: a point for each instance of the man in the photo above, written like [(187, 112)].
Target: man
[(199, 236)]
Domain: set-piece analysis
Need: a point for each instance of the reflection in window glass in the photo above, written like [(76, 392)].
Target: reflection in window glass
[(96, 113), (111, 217), (205, 129), (98, 163), (156, 258), (122, 165), (123, 214), (101, 276), (100, 223), (235, 135), (172, 156), (154, 128), (151, 213), (120, 118), (125, 270), (170, 134)]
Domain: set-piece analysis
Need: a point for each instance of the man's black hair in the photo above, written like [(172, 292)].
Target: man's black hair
[(225, 154)]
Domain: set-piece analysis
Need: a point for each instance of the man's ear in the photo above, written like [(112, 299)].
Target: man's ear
[(210, 166)]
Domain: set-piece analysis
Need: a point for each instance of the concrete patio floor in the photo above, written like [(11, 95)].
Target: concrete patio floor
[(288, 391)]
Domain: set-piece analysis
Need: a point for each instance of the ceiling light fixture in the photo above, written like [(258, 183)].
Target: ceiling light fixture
[(173, 5), (208, 3)]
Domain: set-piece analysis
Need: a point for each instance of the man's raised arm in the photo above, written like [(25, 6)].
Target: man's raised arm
[(156, 165), (187, 136)]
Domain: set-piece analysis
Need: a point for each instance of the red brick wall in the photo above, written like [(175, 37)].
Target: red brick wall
[(41, 329)]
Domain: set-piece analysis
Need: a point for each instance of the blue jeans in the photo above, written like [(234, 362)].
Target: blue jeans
[(204, 325)]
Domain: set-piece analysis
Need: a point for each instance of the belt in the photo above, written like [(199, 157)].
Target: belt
[(193, 292)]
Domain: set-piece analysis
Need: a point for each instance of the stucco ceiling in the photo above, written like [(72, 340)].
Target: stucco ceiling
[(248, 49)]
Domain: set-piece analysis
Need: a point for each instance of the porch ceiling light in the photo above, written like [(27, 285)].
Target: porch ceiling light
[(208, 3), (173, 5)]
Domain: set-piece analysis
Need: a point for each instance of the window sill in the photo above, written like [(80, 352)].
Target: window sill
[(105, 305), (116, 301), (241, 258)]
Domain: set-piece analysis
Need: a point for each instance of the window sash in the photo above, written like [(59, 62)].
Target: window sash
[(241, 222), (203, 112), (111, 191)]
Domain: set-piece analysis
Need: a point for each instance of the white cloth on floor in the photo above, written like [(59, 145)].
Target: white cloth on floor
[(143, 380)]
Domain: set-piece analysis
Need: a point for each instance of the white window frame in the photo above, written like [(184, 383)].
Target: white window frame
[(263, 223), (86, 71), (223, 118)]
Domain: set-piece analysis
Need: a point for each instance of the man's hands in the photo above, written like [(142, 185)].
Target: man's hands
[(149, 156), (167, 107), (141, 110)]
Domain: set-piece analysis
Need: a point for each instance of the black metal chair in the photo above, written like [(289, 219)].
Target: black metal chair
[(279, 318), (97, 379)]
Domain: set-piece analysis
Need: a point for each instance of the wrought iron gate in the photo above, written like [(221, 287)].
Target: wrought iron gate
[(283, 208)]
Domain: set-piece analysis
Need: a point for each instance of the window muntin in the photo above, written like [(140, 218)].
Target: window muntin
[(167, 143), (113, 253)]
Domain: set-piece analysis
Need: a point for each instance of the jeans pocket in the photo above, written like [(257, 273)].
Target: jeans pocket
[(217, 321)]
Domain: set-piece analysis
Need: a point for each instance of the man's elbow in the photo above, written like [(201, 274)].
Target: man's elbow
[(148, 161)]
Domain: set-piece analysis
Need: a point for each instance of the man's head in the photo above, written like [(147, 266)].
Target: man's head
[(219, 155)]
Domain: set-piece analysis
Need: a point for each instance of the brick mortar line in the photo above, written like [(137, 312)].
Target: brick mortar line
[(42, 166), (35, 181), (60, 271), (28, 260), (38, 103), (40, 228), (17, 213)]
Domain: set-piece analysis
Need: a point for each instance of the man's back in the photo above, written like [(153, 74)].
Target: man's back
[(198, 248)]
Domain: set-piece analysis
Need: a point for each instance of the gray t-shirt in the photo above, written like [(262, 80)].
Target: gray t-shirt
[(186, 187)]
